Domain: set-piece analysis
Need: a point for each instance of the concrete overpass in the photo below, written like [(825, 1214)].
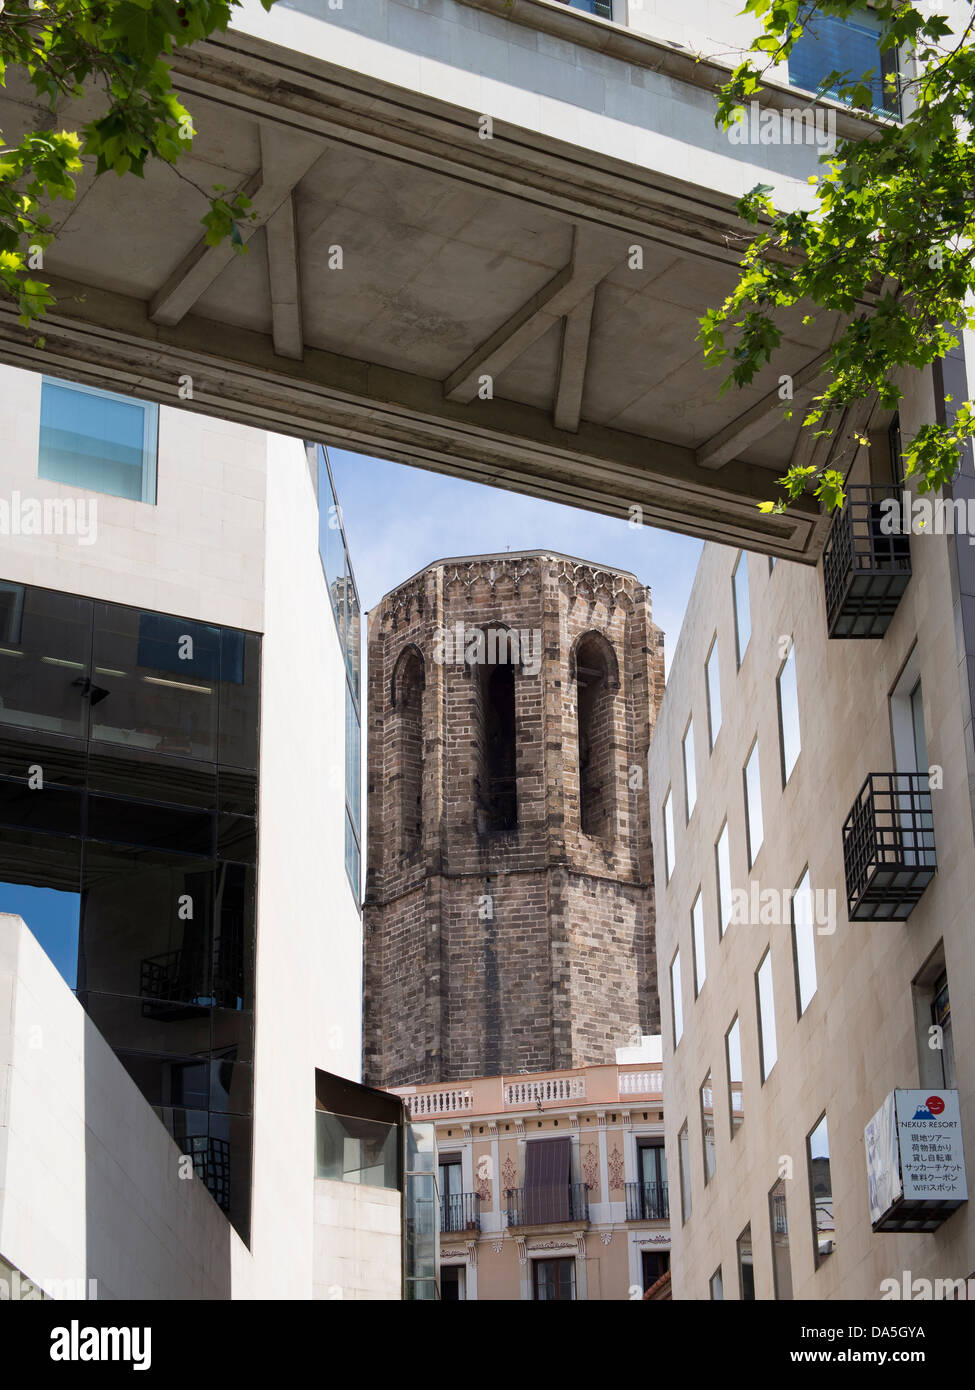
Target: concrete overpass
[(485, 230)]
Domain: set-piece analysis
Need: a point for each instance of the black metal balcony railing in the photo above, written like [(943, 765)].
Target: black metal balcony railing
[(460, 1211), (525, 1206), (866, 562), (888, 846), (647, 1201)]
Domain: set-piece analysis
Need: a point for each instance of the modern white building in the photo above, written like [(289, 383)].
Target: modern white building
[(179, 859)]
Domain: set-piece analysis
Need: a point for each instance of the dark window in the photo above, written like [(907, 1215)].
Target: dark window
[(779, 1226), (554, 1279), (654, 1265), (497, 784), (595, 674), (746, 1265), (451, 1281), (132, 855), (407, 701)]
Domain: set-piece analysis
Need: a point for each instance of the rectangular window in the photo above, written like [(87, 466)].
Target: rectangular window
[(743, 617), (766, 1015), (788, 699), (668, 836), (690, 771), (849, 46), (803, 943), (746, 1267), (732, 1043), (554, 1280), (717, 1286), (821, 1192), (779, 1227), (714, 693), (722, 859), (684, 1150), (697, 935), (932, 1013), (754, 825), (707, 1127), (353, 830), (98, 441), (676, 999)]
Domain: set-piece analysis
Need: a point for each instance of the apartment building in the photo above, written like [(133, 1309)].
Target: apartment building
[(180, 950), (811, 789), (552, 1186)]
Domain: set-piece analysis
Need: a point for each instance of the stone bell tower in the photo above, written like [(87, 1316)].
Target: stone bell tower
[(509, 894)]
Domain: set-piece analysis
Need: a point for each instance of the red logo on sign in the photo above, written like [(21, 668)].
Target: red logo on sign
[(935, 1104)]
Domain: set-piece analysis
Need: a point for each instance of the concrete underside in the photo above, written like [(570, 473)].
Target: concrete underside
[(461, 257)]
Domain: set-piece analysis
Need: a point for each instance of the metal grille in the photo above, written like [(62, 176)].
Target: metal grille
[(523, 1208), (866, 563), (647, 1201), (461, 1211), (888, 846)]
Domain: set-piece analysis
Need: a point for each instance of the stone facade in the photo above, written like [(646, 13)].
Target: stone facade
[(508, 913)]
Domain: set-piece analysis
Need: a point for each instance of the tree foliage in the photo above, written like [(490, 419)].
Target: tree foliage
[(118, 50), (889, 244)]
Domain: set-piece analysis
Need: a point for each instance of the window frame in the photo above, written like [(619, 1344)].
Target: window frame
[(763, 1033), (688, 803), (753, 851), (818, 1255), (790, 656), (739, 649), (735, 1023), (670, 842), (800, 1007), (712, 731), (699, 956), (723, 834), (676, 998), (150, 438)]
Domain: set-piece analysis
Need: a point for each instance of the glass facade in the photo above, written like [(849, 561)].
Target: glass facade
[(351, 1149), (128, 843), (98, 441), (421, 1275), (344, 598), (851, 48)]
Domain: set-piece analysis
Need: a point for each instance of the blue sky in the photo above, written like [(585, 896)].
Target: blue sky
[(399, 519)]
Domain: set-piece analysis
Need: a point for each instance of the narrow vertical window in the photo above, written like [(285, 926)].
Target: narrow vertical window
[(676, 999), (821, 1192), (707, 1128), (596, 683), (714, 693), (684, 1150), (690, 772), (803, 943), (754, 825), (746, 1265), (697, 934), (717, 1286), (788, 694), (407, 700), (732, 1043), (743, 617), (668, 836), (768, 1051), (496, 789), (779, 1227), (722, 859)]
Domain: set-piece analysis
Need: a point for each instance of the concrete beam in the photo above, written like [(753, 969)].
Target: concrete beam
[(285, 158), (593, 257), (284, 280), (572, 364), (106, 339), (764, 415)]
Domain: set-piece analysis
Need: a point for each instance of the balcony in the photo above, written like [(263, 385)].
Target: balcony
[(542, 1206), (866, 563), (461, 1211), (888, 847), (647, 1201)]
